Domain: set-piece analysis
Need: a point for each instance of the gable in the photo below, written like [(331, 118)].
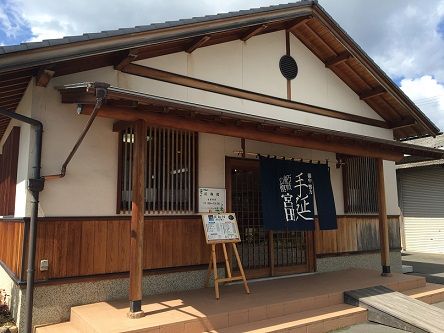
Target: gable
[(306, 20), (254, 66)]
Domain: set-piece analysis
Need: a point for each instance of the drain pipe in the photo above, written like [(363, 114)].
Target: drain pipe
[(35, 186), (101, 92)]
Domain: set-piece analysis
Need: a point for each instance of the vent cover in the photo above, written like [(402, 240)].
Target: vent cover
[(288, 67)]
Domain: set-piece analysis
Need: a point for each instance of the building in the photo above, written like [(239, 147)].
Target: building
[(211, 93), (420, 188)]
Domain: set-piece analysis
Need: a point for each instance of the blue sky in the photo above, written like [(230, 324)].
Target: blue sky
[(14, 29), (404, 37)]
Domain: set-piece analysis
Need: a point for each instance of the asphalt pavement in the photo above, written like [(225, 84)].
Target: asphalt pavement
[(431, 266)]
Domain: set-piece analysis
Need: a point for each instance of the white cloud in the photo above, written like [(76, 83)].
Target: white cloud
[(428, 94), (54, 19), (400, 35), (11, 20)]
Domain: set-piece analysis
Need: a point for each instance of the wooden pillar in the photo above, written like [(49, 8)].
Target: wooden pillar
[(137, 220), (383, 224)]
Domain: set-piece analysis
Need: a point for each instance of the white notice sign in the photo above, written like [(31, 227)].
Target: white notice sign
[(220, 227), (211, 200)]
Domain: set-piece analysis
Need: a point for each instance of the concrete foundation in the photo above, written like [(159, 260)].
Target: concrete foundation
[(52, 303), (366, 260)]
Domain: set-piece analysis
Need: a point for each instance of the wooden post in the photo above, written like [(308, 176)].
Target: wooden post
[(383, 225), (137, 220)]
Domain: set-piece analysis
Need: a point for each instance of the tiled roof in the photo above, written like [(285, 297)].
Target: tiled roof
[(431, 142), (145, 28)]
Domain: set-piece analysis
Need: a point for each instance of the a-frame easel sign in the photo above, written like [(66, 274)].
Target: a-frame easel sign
[(221, 228)]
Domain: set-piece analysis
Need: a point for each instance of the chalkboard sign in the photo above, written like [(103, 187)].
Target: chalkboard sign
[(220, 228)]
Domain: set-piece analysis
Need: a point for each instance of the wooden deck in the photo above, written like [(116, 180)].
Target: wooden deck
[(309, 303), (395, 309)]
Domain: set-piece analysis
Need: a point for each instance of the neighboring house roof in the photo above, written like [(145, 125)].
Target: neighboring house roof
[(307, 20), (415, 162)]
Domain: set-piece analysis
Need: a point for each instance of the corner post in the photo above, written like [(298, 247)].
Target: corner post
[(383, 224), (137, 220)]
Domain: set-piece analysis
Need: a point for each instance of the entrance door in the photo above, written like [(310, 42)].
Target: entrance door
[(263, 253)]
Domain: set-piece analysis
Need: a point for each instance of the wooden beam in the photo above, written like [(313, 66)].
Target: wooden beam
[(374, 70), (199, 43), (186, 81), (321, 40), (43, 77), (79, 98), (254, 32), (11, 94), (298, 23), (372, 93), (249, 132), (288, 53), (340, 58), (383, 225), (402, 123), (12, 102), (131, 56), (137, 220)]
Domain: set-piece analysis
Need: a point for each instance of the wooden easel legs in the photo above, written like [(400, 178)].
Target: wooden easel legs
[(229, 278), (241, 269)]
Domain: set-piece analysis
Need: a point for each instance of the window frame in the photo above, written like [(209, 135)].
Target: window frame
[(120, 170), (371, 187)]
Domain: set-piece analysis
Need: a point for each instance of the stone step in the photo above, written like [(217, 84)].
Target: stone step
[(320, 320), (58, 328)]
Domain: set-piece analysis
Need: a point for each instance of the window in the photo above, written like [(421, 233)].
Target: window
[(360, 185), (170, 175)]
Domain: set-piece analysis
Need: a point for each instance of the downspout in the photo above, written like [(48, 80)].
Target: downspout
[(101, 92), (35, 186)]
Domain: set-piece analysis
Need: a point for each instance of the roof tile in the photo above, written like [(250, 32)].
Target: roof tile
[(143, 28)]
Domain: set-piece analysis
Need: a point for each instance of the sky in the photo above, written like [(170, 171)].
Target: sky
[(404, 37)]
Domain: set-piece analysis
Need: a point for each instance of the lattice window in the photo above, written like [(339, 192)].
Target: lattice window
[(170, 171), (360, 185)]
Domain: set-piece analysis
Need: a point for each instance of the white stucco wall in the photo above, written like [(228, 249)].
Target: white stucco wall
[(89, 187), (253, 65)]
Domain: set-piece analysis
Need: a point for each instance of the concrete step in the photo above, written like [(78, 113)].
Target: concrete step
[(198, 311), (320, 320), (58, 328)]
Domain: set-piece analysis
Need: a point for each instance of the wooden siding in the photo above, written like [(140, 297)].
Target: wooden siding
[(355, 234), (85, 246), (90, 246), (11, 241), (8, 172)]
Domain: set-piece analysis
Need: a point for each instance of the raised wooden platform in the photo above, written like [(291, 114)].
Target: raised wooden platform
[(309, 303), (394, 309)]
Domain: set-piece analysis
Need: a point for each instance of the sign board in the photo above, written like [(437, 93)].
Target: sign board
[(211, 200), (220, 228)]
